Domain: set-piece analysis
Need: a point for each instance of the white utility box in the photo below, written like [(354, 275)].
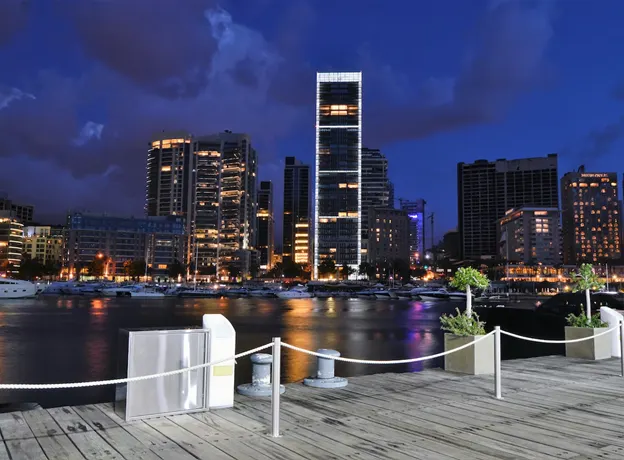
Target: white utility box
[(220, 378), (612, 318)]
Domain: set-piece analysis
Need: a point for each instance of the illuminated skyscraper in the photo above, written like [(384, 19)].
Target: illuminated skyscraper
[(591, 217), (416, 214), (297, 225), (265, 224), (338, 210), (375, 188)]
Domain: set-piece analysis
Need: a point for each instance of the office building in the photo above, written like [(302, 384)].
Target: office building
[(296, 224), (375, 187), (391, 202), (530, 236), (450, 242), (44, 244), (415, 210), (590, 217), (160, 241), (11, 243), (22, 212), (488, 189), (265, 225), (338, 210), (389, 235)]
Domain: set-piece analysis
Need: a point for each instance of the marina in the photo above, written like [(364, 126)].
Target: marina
[(552, 407)]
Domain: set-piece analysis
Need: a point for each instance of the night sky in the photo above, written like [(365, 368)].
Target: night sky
[(84, 84)]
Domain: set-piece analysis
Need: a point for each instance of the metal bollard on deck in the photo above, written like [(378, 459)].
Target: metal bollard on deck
[(497, 362), (325, 377), (260, 377)]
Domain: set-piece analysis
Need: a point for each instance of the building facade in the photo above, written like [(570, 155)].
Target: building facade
[(44, 244), (265, 225), (375, 187), (530, 236), (338, 210), (297, 223), (488, 189), (389, 235), (591, 222), (160, 241), (416, 213), (11, 243), (22, 212)]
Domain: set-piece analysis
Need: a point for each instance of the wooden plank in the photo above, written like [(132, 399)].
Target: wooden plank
[(69, 421), (4, 453), (95, 418), (41, 423), (188, 441), (93, 447), (156, 442), (25, 449), (127, 445), (59, 447), (13, 426), (222, 425)]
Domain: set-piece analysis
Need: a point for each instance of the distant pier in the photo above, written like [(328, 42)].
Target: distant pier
[(552, 407)]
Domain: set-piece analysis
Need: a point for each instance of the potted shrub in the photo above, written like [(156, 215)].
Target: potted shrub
[(586, 325), (582, 326), (465, 327)]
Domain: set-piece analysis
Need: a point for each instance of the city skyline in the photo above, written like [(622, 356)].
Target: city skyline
[(78, 117)]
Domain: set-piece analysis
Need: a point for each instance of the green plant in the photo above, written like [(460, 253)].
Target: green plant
[(466, 278), (462, 324), (582, 320), (587, 280)]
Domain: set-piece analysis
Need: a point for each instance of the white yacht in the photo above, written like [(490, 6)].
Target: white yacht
[(133, 290), (16, 289), (431, 294), (298, 292)]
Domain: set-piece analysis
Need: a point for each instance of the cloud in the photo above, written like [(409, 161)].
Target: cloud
[(89, 131), (507, 60), (13, 16), (599, 142), (9, 95), (165, 46)]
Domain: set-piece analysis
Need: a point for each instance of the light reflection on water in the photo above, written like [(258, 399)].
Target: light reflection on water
[(61, 339)]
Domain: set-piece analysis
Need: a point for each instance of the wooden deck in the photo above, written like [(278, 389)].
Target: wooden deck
[(553, 407)]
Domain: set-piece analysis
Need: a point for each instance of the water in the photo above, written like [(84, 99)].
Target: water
[(74, 339)]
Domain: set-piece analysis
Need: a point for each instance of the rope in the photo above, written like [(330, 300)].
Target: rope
[(532, 339), (56, 386), (397, 361)]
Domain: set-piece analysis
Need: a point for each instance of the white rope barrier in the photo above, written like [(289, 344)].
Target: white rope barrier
[(57, 386), (396, 361), (532, 339)]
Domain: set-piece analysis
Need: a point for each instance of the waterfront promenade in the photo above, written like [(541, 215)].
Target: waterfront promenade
[(552, 407)]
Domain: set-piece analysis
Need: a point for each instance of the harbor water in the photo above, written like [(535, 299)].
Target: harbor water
[(54, 339)]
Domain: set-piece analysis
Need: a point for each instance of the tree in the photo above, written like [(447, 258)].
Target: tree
[(347, 271), (366, 270), (587, 280), (466, 278), (254, 269), (97, 266), (134, 268), (234, 271), (290, 269), (327, 266), (30, 269), (176, 269), (277, 270), (401, 269)]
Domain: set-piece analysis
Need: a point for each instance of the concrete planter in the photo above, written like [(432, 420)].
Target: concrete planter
[(474, 360), (598, 348)]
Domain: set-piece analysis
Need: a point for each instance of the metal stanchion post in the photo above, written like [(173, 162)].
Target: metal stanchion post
[(622, 348), (497, 362), (275, 382)]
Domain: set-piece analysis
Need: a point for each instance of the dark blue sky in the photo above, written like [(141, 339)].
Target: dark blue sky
[(83, 84)]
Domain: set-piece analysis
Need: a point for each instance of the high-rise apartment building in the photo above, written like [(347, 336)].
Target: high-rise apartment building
[(488, 189), (45, 244), (265, 224), (11, 243), (211, 182), (391, 202), (416, 214), (389, 235), (169, 185), (590, 217), (22, 212), (297, 223), (530, 236), (338, 210), (375, 187)]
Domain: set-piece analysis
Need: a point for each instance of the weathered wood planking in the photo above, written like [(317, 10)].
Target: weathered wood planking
[(552, 407)]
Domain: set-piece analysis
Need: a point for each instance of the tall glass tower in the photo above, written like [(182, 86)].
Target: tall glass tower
[(338, 199)]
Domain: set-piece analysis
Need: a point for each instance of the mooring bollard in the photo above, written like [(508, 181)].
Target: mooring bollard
[(260, 377), (325, 377)]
